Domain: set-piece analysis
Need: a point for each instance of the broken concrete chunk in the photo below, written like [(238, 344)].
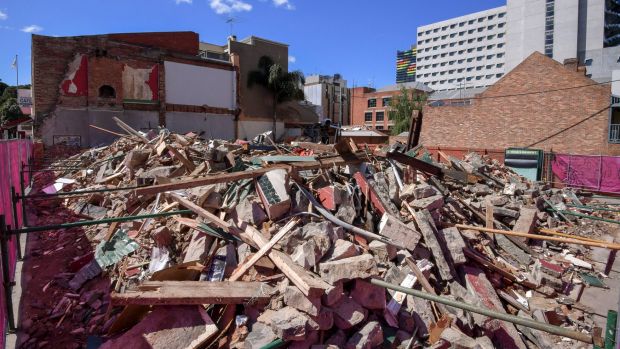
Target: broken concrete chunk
[(417, 191), (273, 190), (340, 250), (293, 297), (430, 203), (458, 339), (362, 267), (259, 336), (393, 228), (251, 212), (289, 324), (382, 251), (455, 244), (368, 337), (368, 295), (136, 158), (322, 322), (349, 313)]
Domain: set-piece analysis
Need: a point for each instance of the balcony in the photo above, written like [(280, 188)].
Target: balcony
[(614, 133)]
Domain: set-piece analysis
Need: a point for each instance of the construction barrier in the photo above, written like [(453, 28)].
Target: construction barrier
[(593, 172), (13, 155)]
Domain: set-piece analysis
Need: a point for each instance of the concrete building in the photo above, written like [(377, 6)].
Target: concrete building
[(330, 95), (370, 107), (145, 79), (462, 52), (538, 96), (256, 103), (477, 49), (406, 65)]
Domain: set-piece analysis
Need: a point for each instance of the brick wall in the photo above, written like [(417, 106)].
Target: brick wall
[(508, 114), (182, 42)]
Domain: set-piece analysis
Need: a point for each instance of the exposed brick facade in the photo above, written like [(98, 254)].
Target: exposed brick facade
[(360, 97), (572, 119)]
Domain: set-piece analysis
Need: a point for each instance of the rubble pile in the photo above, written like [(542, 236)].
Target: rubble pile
[(281, 245)]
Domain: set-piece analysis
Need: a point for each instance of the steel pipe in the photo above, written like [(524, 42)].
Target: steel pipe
[(557, 330), (330, 217)]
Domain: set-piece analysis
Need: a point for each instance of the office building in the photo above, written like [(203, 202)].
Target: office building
[(406, 65), (467, 51), (476, 50), (330, 95)]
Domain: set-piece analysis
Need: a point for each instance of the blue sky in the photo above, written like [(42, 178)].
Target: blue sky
[(356, 38)]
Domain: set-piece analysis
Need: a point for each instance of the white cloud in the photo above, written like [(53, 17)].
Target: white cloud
[(183, 2), (32, 29), (3, 15), (229, 6), (292, 59), (285, 3)]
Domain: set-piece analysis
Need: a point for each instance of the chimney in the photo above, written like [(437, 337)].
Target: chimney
[(571, 64)]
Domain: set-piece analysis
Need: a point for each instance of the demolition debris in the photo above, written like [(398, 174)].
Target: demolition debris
[(214, 244)]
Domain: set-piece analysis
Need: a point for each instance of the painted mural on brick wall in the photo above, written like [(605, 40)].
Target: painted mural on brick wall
[(612, 23), (75, 82), (141, 84)]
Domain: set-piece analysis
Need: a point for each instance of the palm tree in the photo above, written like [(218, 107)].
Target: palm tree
[(285, 86)]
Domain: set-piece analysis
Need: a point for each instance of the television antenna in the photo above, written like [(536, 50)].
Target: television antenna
[(232, 20)]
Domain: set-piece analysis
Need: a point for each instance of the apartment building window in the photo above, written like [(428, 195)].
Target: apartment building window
[(499, 75), (444, 45), (372, 102), (480, 48), (490, 37), (368, 116), (461, 24), (490, 56), (379, 116), (500, 55), (491, 27), (452, 26), (470, 41), (501, 15), (385, 101), (549, 17), (480, 38), (491, 17), (480, 19), (471, 21), (500, 35), (443, 37), (480, 29), (379, 127), (501, 25), (500, 45), (499, 65), (489, 66)]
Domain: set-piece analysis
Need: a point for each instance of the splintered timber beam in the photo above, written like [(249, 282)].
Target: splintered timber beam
[(202, 181), (303, 279), (194, 292), (236, 176)]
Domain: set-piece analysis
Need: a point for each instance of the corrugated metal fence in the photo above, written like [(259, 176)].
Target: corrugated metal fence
[(12, 154)]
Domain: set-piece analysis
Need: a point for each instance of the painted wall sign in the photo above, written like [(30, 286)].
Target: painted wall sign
[(75, 82)]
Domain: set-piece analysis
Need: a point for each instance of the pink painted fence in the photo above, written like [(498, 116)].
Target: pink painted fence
[(12, 154), (594, 172)]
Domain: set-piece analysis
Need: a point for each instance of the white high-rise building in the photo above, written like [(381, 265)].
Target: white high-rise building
[(462, 52), (477, 49)]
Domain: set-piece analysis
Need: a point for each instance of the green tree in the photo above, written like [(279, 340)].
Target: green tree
[(10, 110), (283, 85), (402, 107)]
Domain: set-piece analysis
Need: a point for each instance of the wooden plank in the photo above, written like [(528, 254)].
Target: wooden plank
[(194, 293), (489, 215), (263, 250), (186, 162), (202, 181), (415, 163), (307, 283)]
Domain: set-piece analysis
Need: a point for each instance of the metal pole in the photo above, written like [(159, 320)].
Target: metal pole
[(79, 192), (98, 221), (15, 221), (21, 192), (6, 277), (594, 218), (557, 330)]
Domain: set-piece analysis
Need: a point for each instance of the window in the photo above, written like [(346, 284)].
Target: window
[(500, 55), (368, 116), (501, 15), (385, 101), (107, 91), (480, 29), (480, 19), (491, 27), (499, 75), (490, 37), (499, 65), (471, 21), (490, 56), (501, 25), (480, 38), (379, 127), (470, 31), (379, 116), (500, 45), (372, 102), (500, 35)]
